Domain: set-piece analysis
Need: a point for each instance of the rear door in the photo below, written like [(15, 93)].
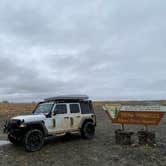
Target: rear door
[(75, 115)]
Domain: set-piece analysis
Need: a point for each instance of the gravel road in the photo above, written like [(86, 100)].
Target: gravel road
[(101, 151)]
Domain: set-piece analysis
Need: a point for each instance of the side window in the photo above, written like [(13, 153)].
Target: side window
[(61, 109), (74, 108), (86, 108)]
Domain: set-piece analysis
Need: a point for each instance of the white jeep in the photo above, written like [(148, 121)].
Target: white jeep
[(53, 116)]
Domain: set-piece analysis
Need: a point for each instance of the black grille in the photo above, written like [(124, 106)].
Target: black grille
[(13, 123)]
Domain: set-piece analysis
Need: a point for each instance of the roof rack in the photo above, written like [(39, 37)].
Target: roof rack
[(67, 98)]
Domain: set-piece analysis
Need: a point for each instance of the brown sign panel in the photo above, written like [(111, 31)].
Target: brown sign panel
[(139, 117), (135, 115)]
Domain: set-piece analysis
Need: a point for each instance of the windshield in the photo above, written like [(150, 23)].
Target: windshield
[(44, 108)]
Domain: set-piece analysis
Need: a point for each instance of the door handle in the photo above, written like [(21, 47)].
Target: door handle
[(66, 117), (54, 123), (71, 121), (77, 116)]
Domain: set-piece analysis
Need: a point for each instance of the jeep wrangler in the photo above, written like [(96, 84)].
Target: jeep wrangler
[(54, 116)]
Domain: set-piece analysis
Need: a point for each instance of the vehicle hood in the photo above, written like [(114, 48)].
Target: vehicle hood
[(30, 118)]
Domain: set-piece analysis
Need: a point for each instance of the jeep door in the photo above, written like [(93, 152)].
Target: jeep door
[(60, 119), (75, 115)]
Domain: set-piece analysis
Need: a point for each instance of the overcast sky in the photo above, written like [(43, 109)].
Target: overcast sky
[(108, 49)]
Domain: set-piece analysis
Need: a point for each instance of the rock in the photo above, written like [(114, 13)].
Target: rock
[(146, 137), (123, 137)]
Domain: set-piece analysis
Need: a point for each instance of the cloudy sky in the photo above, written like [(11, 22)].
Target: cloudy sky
[(108, 49)]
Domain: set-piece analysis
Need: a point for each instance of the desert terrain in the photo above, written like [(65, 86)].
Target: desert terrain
[(73, 150)]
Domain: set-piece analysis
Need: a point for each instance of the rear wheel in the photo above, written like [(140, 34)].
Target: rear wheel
[(88, 130), (33, 140)]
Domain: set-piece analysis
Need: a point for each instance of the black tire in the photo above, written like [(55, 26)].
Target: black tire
[(33, 140), (88, 130), (13, 140)]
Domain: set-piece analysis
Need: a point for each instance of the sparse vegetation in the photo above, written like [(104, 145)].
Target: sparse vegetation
[(13, 109)]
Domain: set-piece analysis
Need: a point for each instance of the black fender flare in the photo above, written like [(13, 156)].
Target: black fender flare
[(85, 121), (37, 125)]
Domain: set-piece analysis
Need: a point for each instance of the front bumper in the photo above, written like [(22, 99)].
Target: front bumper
[(5, 129), (12, 126)]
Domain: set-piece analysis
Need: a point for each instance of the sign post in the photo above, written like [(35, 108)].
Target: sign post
[(135, 115)]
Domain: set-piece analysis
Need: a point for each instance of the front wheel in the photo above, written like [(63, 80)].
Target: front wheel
[(88, 130), (33, 140)]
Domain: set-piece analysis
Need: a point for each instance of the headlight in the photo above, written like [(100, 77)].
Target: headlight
[(23, 125)]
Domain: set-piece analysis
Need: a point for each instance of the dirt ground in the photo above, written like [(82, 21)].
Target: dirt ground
[(100, 151)]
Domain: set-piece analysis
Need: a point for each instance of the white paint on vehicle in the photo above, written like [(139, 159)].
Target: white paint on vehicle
[(30, 118)]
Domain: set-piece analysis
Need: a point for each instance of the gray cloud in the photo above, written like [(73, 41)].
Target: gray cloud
[(106, 49)]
